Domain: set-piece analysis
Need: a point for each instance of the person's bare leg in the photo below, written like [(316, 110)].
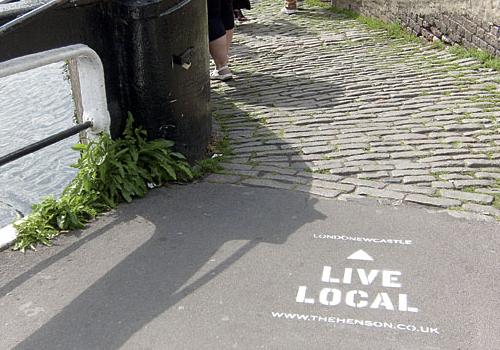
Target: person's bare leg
[(229, 40), (218, 51)]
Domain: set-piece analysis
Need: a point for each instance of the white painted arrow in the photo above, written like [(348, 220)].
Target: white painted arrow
[(360, 255)]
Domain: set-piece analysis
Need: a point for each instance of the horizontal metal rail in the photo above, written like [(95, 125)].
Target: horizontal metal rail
[(3, 2), (92, 93), (91, 75), (9, 25), (44, 143)]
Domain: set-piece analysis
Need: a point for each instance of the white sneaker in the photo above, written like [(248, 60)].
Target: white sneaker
[(288, 11), (217, 75)]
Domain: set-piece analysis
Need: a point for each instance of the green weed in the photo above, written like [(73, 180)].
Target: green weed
[(468, 189), (322, 171), (110, 172), (496, 202), (396, 31), (486, 59), (438, 45)]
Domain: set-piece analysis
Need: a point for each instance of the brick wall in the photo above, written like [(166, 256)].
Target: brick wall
[(472, 23)]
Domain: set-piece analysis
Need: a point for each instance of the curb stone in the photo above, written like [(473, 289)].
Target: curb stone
[(8, 235)]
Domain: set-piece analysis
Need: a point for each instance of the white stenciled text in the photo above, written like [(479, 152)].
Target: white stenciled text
[(338, 294)]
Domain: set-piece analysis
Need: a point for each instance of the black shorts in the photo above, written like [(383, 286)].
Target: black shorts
[(220, 18)]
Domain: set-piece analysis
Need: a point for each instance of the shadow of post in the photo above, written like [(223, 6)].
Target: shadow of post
[(192, 224), (195, 222)]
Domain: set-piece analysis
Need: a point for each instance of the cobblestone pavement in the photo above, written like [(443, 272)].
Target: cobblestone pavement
[(324, 105)]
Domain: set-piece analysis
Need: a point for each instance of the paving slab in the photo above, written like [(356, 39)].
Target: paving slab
[(219, 266)]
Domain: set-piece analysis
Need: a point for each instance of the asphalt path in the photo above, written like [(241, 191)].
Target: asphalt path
[(212, 266)]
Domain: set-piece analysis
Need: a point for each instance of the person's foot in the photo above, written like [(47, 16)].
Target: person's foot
[(238, 15), (287, 11), (222, 74)]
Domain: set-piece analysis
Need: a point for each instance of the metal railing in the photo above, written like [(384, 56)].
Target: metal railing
[(30, 14), (91, 95)]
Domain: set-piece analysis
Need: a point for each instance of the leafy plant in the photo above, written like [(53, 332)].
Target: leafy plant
[(219, 149), (207, 166), (110, 172)]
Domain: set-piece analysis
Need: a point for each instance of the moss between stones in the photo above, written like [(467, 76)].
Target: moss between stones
[(396, 31)]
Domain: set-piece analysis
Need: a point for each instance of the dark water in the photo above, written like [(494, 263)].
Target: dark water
[(33, 105)]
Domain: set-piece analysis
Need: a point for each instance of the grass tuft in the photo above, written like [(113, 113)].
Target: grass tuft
[(396, 31), (486, 59)]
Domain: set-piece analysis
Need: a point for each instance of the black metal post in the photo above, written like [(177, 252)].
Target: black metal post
[(155, 58)]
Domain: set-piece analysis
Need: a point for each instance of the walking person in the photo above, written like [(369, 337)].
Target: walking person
[(237, 6), (290, 7), (220, 36)]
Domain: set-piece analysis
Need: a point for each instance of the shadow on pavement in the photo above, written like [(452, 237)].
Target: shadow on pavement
[(192, 224), (285, 90), (290, 81), (41, 266)]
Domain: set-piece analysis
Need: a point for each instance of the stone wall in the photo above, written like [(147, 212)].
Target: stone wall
[(472, 23)]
